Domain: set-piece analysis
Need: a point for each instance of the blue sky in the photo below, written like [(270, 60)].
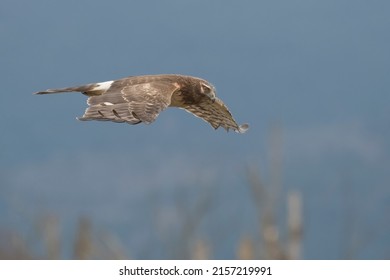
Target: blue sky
[(318, 69)]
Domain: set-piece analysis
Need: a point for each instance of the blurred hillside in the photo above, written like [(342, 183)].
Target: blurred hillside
[(204, 222)]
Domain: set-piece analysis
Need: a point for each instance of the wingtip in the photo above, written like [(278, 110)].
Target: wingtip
[(243, 128)]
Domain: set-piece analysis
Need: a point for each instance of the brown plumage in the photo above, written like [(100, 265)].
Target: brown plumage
[(139, 99)]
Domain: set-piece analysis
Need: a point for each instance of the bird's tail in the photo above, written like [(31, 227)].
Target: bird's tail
[(88, 89), (84, 88)]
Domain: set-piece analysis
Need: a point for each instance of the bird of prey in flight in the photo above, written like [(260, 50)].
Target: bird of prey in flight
[(140, 99)]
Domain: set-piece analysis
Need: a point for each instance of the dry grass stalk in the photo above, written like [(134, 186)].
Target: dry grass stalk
[(201, 250), (83, 246), (246, 249), (295, 225)]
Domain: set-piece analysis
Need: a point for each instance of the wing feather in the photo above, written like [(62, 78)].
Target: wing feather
[(215, 113)]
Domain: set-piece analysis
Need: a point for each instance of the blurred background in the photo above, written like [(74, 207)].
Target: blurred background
[(309, 180)]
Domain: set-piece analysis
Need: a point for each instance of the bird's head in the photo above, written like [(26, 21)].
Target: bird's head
[(207, 89)]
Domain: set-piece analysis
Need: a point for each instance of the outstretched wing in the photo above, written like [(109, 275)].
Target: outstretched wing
[(132, 100), (215, 113)]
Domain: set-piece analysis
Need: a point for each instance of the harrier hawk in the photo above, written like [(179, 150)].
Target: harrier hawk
[(137, 99)]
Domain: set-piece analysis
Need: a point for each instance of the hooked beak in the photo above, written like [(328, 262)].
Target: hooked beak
[(211, 95)]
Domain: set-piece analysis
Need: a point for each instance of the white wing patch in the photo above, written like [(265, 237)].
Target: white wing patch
[(103, 85)]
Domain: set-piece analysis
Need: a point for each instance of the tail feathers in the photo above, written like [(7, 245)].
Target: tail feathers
[(88, 89), (85, 88)]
